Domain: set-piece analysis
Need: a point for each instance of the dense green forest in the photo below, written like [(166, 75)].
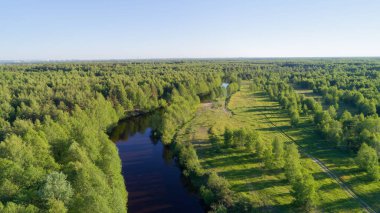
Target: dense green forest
[(56, 156)]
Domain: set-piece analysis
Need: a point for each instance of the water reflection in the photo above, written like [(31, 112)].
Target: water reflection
[(153, 180)]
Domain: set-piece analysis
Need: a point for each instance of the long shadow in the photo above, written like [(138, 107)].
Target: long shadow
[(257, 109), (329, 186), (359, 179), (231, 160), (275, 128), (320, 176), (342, 205), (241, 174), (259, 185), (374, 197), (279, 120), (339, 162)]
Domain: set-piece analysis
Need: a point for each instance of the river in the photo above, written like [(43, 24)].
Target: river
[(153, 179)]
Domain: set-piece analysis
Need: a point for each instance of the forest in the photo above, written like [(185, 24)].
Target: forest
[(250, 135)]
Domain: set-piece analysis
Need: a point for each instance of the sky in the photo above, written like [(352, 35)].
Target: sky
[(144, 29)]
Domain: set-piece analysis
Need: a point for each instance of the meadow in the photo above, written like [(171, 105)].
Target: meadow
[(267, 189)]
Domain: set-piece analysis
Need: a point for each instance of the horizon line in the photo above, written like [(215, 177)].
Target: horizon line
[(2, 61)]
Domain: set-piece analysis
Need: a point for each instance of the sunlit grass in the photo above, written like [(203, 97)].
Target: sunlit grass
[(341, 162), (244, 170)]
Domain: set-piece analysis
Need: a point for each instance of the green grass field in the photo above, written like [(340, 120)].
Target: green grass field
[(267, 189), (339, 161)]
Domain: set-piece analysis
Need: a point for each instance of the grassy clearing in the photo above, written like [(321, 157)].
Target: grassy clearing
[(267, 189)]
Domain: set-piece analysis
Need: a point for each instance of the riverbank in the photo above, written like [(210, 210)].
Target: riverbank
[(151, 174)]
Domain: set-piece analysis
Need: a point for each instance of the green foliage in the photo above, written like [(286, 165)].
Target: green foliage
[(241, 138), (232, 88), (304, 191), (367, 159), (269, 160), (215, 141), (292, 163), (188, 159), (207, 195), (218, 208), (56, 206), (228, 137), (303, 184), (54, 118), (294, 118), (220, 188), (180, 111), (260, 148), (278, 153), (56, 187), (11, 207)]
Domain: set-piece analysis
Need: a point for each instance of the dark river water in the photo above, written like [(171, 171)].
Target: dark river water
[(153, 179)]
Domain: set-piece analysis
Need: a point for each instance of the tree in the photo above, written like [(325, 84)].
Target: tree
[(252, 138), (207, 195), (215, 141), (367, 159), (332, 112), (239, 138), (292, 163), (220, 188), (269, 160), (278, 153), (8, 190), (56, 206), (294, 118), (56, 187), (303, 189), (260, 148), (232, 88), (11, 207), (303, 184), (228, 138)]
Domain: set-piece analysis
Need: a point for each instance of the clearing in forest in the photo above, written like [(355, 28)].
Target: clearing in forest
[(244, 170)]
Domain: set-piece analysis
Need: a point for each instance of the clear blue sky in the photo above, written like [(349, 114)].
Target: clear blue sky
[(111, 29)]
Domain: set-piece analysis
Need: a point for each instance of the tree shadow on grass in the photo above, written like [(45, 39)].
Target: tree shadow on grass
[(373, 198), (230, 160), (360, 178), (328, 187), (342, 205), (200, 142), (275, 128), (241, 174), (320, 176), (259, 185), (257, 109), (279, 120)]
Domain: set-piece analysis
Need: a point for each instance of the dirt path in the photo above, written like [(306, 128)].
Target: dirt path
[(326, 170)]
